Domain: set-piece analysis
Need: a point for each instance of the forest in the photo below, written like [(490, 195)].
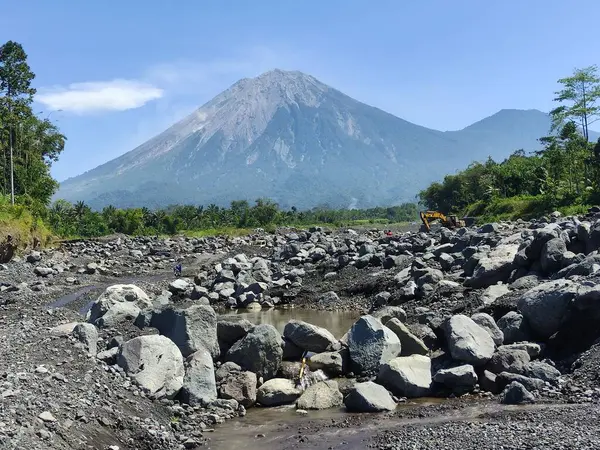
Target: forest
[(564, 175), (79, 220)]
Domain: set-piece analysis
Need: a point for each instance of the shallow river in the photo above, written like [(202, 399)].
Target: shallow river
[(337, 322)]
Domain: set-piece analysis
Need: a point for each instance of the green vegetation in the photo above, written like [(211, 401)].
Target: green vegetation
[(18, 222), (564, 175), (239, 219), (28, 144)]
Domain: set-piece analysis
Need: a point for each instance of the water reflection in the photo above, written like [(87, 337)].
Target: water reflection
[(337, 322)]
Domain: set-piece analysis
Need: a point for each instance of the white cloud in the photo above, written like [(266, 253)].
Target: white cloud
[(95, 96)]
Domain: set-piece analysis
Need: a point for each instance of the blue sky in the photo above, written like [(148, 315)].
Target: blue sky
[(122, 72)]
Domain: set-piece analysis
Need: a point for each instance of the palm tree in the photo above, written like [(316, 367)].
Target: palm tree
[(80, 209), (213, 213)]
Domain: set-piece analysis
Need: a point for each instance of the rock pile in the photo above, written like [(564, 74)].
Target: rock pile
[(507, 310)]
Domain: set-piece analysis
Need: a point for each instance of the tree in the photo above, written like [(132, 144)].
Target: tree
[(15, 85), (582, 93), (29, 145)]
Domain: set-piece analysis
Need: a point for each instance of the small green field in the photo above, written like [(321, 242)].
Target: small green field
[(523, 207), (17, 222)]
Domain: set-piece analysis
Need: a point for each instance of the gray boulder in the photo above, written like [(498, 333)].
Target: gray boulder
[(408, 376), (199, 385), (191, 329), (237, 385), (514, 328), (310, 337), (260, 351), (460, 377), (488, 382), (154, 363), (277, 391), (87, 335), (322, 395), (531, 384), (508, 360), (542, 371), (369, 397), (533, 350), (371, 344), (231, 329), (179, 286), (494, 267), (516, 394), (116, 314), (332, 363), (118, 293), (388, 313), (410, 344), (491, 293), (588, 300), (546, 305), (425, 334), (467, 341), (487, 322), (552, 255)]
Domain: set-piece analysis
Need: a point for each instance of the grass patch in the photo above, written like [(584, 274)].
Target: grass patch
[(25, 229), (523, 207)]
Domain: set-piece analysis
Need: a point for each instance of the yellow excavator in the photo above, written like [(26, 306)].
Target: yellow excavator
[(449, 221)]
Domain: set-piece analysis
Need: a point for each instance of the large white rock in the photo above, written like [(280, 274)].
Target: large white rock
[(118, 313), (408, 376), (322, 395), (467, 341), (277, 391), (118, 293), (155, 363), (199, 384), (192, 328)]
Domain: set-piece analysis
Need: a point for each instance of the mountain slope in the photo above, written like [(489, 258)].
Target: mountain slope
[(289, 137)]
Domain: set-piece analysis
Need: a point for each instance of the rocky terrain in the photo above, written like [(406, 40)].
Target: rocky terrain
[(102, 347)]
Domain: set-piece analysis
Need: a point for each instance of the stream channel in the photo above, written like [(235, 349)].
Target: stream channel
[(279, 427)]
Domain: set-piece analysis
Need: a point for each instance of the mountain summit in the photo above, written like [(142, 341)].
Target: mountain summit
[(287, 136)]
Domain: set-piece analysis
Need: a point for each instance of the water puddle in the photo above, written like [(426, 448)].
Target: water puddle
[(275, 427), (82, 293), (337, 322), (70, 298)]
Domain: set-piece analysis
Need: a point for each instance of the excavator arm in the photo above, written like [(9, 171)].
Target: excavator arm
[(426, 216), (447, 221)]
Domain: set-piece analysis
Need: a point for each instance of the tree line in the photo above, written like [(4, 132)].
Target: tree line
[(29, 143), (80, 220), (565, 172)]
